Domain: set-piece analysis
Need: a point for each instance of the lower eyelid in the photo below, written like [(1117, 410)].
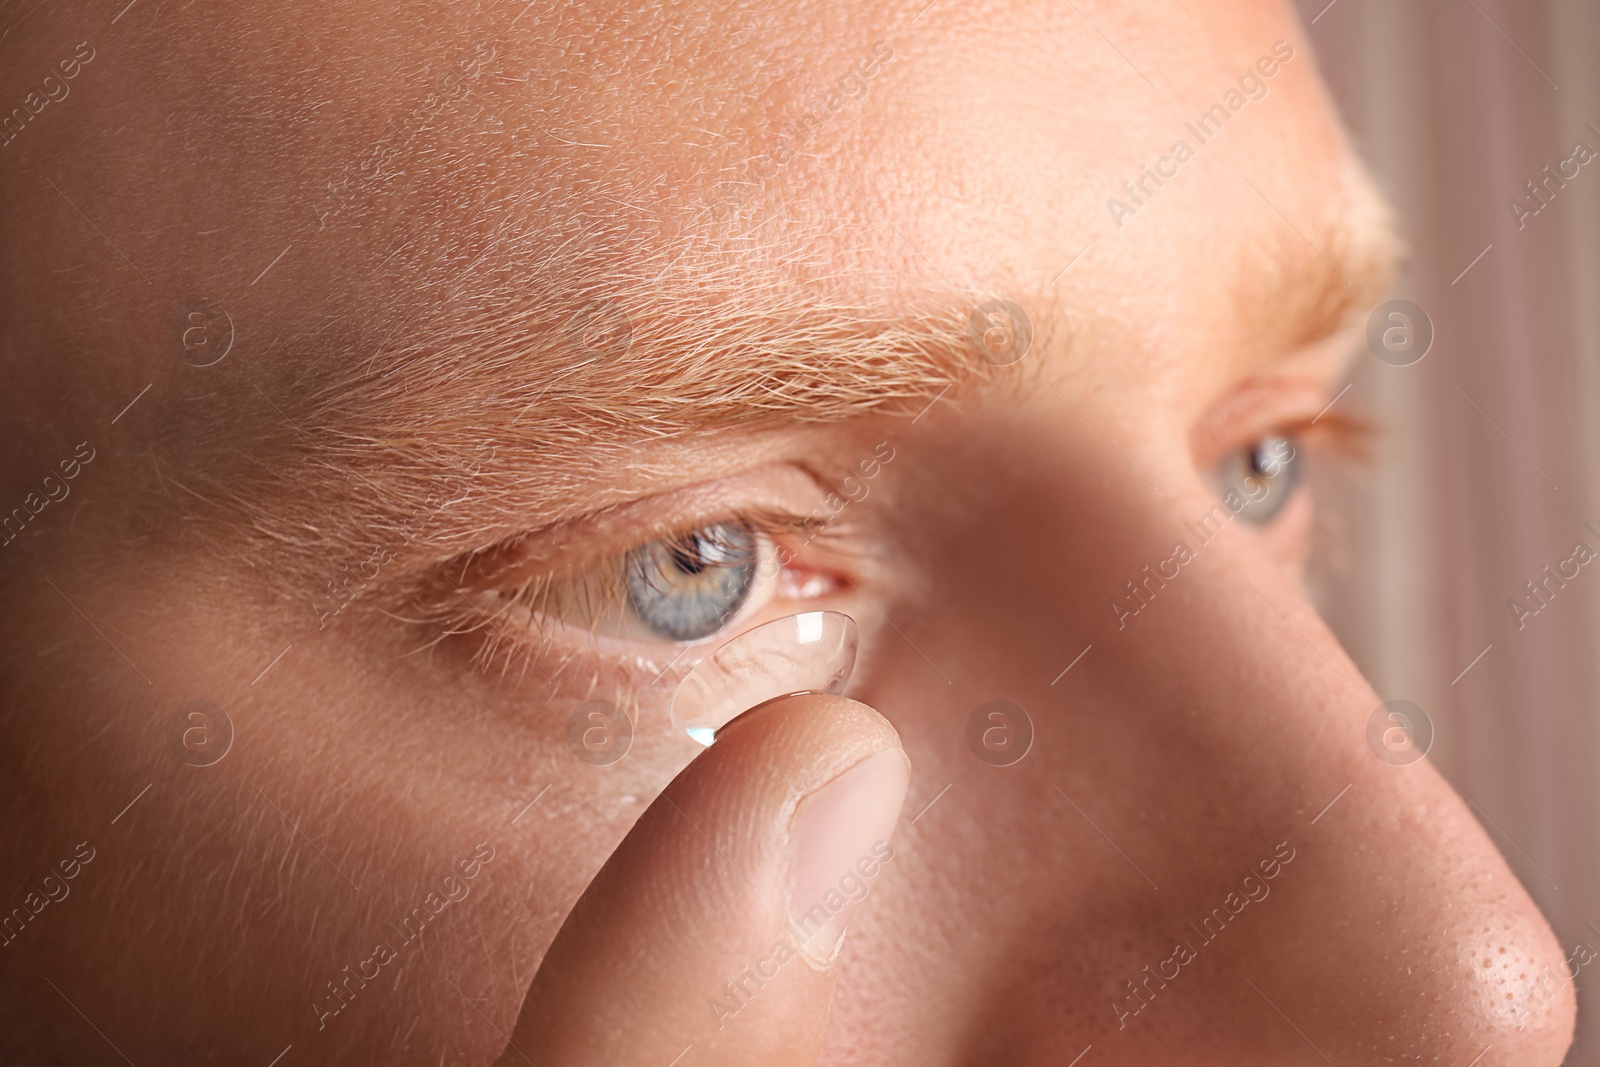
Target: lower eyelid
[(511, 635), (577, 658), (536, 616)]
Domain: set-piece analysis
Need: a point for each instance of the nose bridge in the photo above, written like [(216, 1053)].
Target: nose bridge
[(1164, 590), (1196, 616), (1191, 710), (1172, 674)]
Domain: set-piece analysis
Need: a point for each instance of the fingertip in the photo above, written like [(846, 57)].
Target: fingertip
[(810, 718)]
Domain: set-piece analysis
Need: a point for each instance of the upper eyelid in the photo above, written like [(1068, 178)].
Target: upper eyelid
[(603, 535), (537, 635), (1258, 408), (1349, 436)]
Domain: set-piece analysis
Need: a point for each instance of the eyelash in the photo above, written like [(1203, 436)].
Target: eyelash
[(1347, 436), (457, 615), (504, 643)]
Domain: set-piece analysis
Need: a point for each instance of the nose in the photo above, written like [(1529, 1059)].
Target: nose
[(1192, 850)]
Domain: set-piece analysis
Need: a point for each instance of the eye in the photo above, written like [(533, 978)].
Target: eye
[(678, 588), (1261, 477), (687, 587), (631, 586)]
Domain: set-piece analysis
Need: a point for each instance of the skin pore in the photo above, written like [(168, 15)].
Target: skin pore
[(408, 213)]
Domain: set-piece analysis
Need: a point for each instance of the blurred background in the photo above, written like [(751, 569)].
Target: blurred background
[(1487, 466)]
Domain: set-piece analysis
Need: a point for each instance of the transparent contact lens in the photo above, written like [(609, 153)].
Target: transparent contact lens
[(812, 652)]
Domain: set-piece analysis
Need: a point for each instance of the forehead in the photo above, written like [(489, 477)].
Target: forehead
[(360, 175)]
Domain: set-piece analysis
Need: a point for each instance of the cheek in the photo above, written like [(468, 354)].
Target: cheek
[(360, 775)]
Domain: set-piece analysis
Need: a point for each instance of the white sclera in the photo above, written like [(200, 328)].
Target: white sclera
[(813, 652)]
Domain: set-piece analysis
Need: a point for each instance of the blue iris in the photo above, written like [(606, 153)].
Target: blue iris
[(688, 587), (1264, 477)]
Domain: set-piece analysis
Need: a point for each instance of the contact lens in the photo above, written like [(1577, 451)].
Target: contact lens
[(812, 652)]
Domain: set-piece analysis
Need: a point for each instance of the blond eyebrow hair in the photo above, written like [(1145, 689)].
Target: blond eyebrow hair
[(503, 368), (690, 363), (714, 345), (1307, 280)]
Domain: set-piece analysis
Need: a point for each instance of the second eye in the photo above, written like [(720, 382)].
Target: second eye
[(1263, 475)]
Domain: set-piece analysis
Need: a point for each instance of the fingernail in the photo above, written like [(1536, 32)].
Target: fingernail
[(838, 845)]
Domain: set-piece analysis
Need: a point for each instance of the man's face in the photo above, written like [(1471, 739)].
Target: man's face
[(398, 336)]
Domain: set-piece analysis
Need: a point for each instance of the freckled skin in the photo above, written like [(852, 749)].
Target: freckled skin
[(323, 174)]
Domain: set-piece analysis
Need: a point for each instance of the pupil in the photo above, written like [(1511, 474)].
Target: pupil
[(1263, 462), (687, 587), (688, 556)]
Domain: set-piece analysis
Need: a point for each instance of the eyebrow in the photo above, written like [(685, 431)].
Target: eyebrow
[(1310, 279), (689, 361), (666, 351), (565, 401), (392, 436)]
